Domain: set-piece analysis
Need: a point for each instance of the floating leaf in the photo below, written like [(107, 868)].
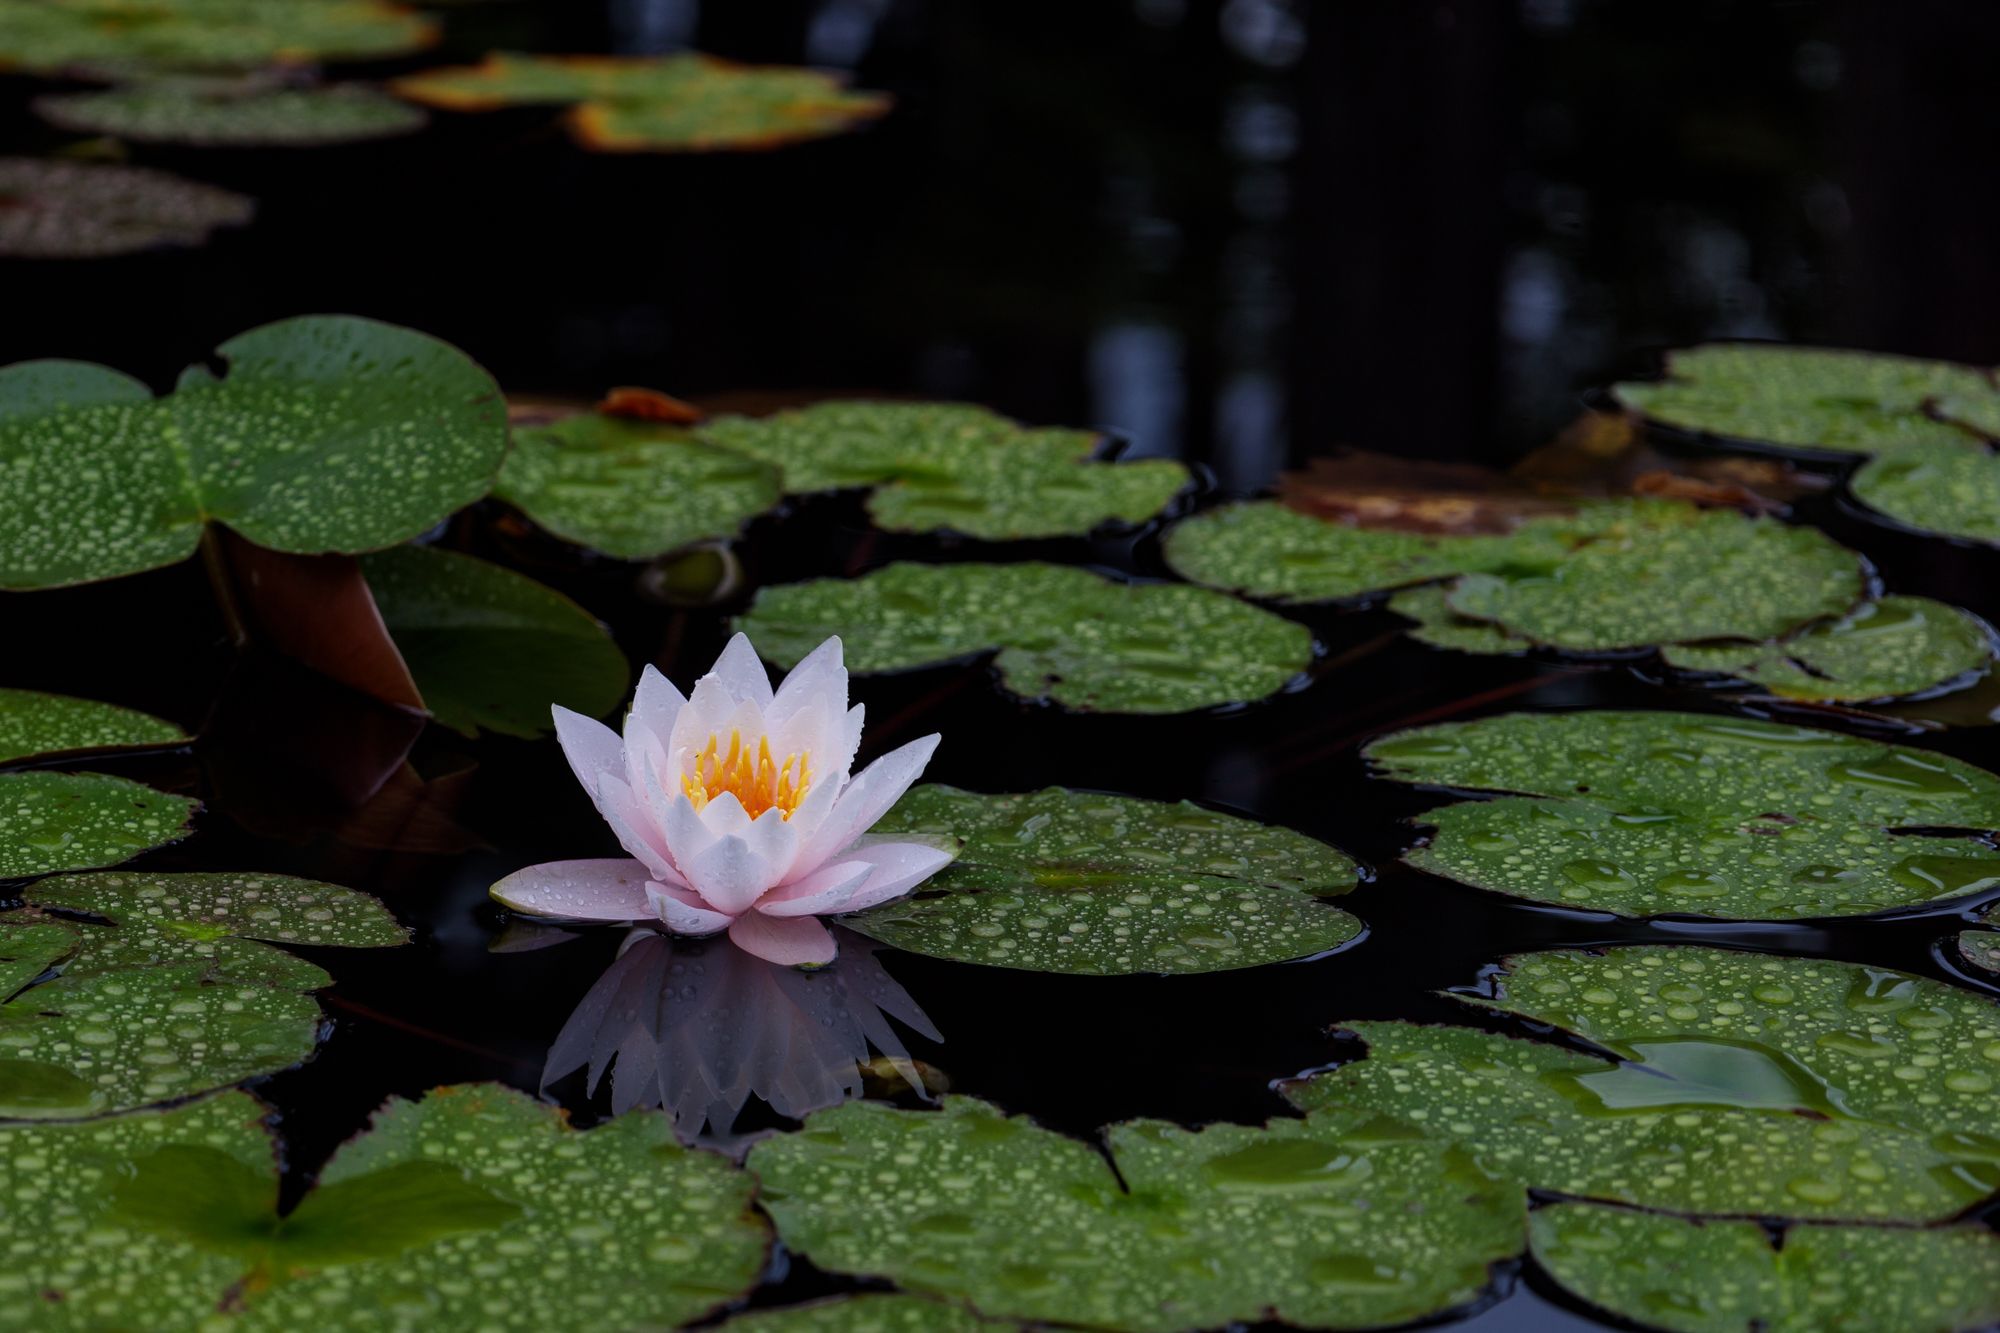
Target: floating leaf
[(1954, 492), (1063, 634), (1727, 1277), (875, 1312), (75, 821), (680, 103), (1814, 398), (89, 210), (172, 994), (32, 723), (1441, 627), (489, 648), (1981, 948), (632, 489), (1649, 813), (1067, 881), (1895, 647), (56, 35), (328, 433), (240, 114), (1743, 1085), (1336, 1221), (953, 466), (429, 1217)]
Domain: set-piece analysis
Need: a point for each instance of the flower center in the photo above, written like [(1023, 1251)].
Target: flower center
[(754, 780)]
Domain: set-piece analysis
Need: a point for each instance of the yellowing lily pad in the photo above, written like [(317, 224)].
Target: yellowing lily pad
[(1950, 491), (57, 35), (1733, 1084), (1063, 634), (1335, 1221), (327, 433), (91, 210), (210, 113), (32, 723), (679, 103), (1893, 648), (1068, 881), (53, 821), (1644, 814)]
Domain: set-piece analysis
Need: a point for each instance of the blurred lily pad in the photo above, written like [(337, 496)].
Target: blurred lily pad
[(51, 36), (1646, 813), (1732, 1084), (491, 649), (328, 433), (1335, 1221), (1893, 648), (1441, 627), (1069, 881), (53, 821), (870, 1312), (678, 103), (632, 489), (414, 1216), (1954, 492), (1813, 398), (91, 210), (164, 989), (32, 723), (1063, 634), (953, 466), (1730, 1277), (243, 113)]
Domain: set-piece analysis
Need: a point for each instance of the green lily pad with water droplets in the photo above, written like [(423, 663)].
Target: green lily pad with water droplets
[(491, 649), (871, 1312), (450, 1212), (632, 489), (327, 433), (1981, 948), (1953, 492), (1744, 1085), (57, 209), (953, 466), (210, 113), (52, 36), (1728, 1277), (1441, 627), (1063, 634), (52, 821), (33, 723), (1644, 814), (1889, 649), (1335, 1221), (1068, 881), (1812, 398)]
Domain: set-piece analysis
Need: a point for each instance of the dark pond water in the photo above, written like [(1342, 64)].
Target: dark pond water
[(1239, 233)]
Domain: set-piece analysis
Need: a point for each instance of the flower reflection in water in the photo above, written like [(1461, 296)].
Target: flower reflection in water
[(701, 1027)]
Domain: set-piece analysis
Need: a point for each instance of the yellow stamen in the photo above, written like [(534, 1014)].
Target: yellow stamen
[(758, 782)]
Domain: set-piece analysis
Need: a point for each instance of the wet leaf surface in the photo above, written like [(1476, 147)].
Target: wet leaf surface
[(1727, 1277), (90, 210), (32, 723), (1066, 881), (1441, 627), (1644, 814), (1981, 948), (1882, 650), (491, 649), (56, 35), (1063, 634), (1336, 1221), (327, 433), (76, 821), (411, 1224), (1745, 1085), (1950, 491), (225, 114), (880, 1312)]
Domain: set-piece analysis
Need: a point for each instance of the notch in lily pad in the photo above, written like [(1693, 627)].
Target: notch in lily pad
[(1894, 648)]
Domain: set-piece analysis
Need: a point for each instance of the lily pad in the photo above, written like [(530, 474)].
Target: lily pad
[(328, 433), (172, 994), (1742, 1085), (1954, 492), (1336, 1221), (632, 489), (76, 821), (953, 466), (1063, 634), (491, 649), (1729, 1277), (91, 210), (1642, 814), (240, 114), (413, 1223), (874, 1312), (1068, 881), (32, 723), (679, 103), (56, 35), (1441, 627), (1981, 948), (1813, 398), (1889, 649)]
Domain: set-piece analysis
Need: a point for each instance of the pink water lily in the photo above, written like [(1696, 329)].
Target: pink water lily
[(736, 804)]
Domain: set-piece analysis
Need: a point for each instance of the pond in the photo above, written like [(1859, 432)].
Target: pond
[(1464, 785)]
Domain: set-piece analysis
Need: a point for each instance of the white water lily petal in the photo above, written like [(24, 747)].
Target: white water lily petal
[(787, 941), (825, 890), (682, 912), (742, 671), (613, 890), (821, 675), (897, 867), (866, 800), (729, 875), (656, 703), (633, 826), (592, 748)]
